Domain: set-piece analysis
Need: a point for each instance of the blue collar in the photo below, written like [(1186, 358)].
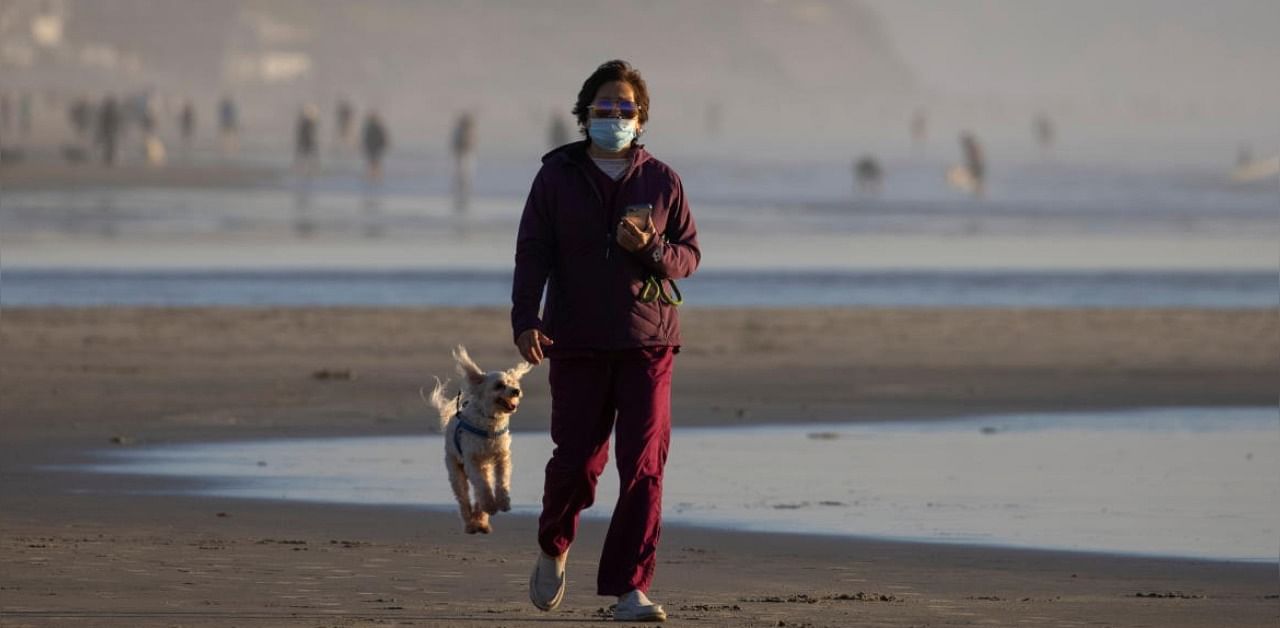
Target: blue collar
[(463, 425)]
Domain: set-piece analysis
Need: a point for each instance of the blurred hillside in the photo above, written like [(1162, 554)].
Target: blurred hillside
[(1142, 80), (714, 66)]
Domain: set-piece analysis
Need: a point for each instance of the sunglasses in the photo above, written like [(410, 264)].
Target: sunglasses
[(624, 109)]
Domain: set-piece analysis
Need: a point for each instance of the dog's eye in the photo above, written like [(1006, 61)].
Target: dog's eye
[(497, 386)]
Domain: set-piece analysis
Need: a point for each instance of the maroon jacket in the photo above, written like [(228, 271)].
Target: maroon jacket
[(567, 244)]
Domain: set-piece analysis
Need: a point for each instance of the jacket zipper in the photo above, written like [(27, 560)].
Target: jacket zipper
[(599, 199), (608, 236)]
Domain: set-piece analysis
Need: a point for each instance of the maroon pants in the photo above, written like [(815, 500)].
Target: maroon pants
[(627, 392)]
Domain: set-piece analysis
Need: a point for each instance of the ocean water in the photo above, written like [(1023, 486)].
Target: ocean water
[(708, 289), (1186, 482), (773, 234), (753, 197)]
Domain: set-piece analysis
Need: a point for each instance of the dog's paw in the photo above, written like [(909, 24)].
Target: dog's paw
[(504, 503), (490, 505), (478, 523)]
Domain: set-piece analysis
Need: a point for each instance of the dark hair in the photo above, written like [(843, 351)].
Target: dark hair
[(609, 71)]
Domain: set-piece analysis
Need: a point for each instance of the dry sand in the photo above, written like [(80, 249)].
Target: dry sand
[(77, 550)]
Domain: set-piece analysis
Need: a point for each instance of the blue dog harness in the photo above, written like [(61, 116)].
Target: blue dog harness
[(463, 425)]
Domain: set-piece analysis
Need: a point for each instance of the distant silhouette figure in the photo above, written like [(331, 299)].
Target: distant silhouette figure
[(81, 115), (228, 126), (304, 139), (344, 119), (973, 160), (152, 147), (971, 176), (187, 122), (375, 141), (868, 175), (6, 112), (1250, 169), (1244, 156), (464, 155), (558, 131), (1042, 126), (143, 110), (919, 130), (108, 129)]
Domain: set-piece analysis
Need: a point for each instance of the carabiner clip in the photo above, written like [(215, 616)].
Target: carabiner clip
[(650, 290), (677, 299), (653, 290)]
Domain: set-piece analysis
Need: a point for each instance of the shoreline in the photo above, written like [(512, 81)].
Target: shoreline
[(173, 478), (762, 291), (343, 247)]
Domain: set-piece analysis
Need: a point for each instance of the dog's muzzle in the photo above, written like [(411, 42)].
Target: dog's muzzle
[(505, 404)]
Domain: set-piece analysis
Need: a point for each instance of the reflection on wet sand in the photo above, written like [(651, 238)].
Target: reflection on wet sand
[(1182, 482)]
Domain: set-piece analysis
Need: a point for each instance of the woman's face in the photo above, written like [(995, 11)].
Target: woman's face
[(614, 91)]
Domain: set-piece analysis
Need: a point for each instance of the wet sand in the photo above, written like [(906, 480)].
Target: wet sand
[(77, 550), (46, 175)]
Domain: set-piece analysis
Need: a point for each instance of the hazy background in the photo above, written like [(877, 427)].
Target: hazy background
[(1130, 81), (761, 106)]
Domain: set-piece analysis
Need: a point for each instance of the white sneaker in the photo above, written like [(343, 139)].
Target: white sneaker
[(546, 584), (636, 606)]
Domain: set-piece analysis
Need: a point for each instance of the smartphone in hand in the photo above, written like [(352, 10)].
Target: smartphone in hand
[(638, 215)]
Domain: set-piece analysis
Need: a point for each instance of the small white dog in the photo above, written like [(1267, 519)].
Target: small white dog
[(477, 441)]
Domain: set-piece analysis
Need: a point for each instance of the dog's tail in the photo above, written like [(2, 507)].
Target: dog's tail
[(446, 406)]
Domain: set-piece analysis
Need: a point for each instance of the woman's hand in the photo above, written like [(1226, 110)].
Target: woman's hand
[(530, 344), (632, 238)]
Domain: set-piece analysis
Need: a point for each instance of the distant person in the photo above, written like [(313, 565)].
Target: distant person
[(971, 175), (344, 124), (142, 109), (973, 160), (108, 129), (187, 124), (1250, 168), (610, 330), (81, 115), (919, 130), (228, 126), (152, 147), (1042, 127), (304, 139), (1244, 156), (6, 112), (464, 159), (375, 142), (868, 175), (557, 131)]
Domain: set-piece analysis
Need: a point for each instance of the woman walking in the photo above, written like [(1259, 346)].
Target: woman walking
[(605, 232)]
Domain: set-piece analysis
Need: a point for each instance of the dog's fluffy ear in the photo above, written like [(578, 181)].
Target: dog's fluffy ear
[(520, 370), (467, 367)]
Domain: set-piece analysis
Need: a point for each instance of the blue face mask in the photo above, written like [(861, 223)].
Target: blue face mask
[(612, 134)]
